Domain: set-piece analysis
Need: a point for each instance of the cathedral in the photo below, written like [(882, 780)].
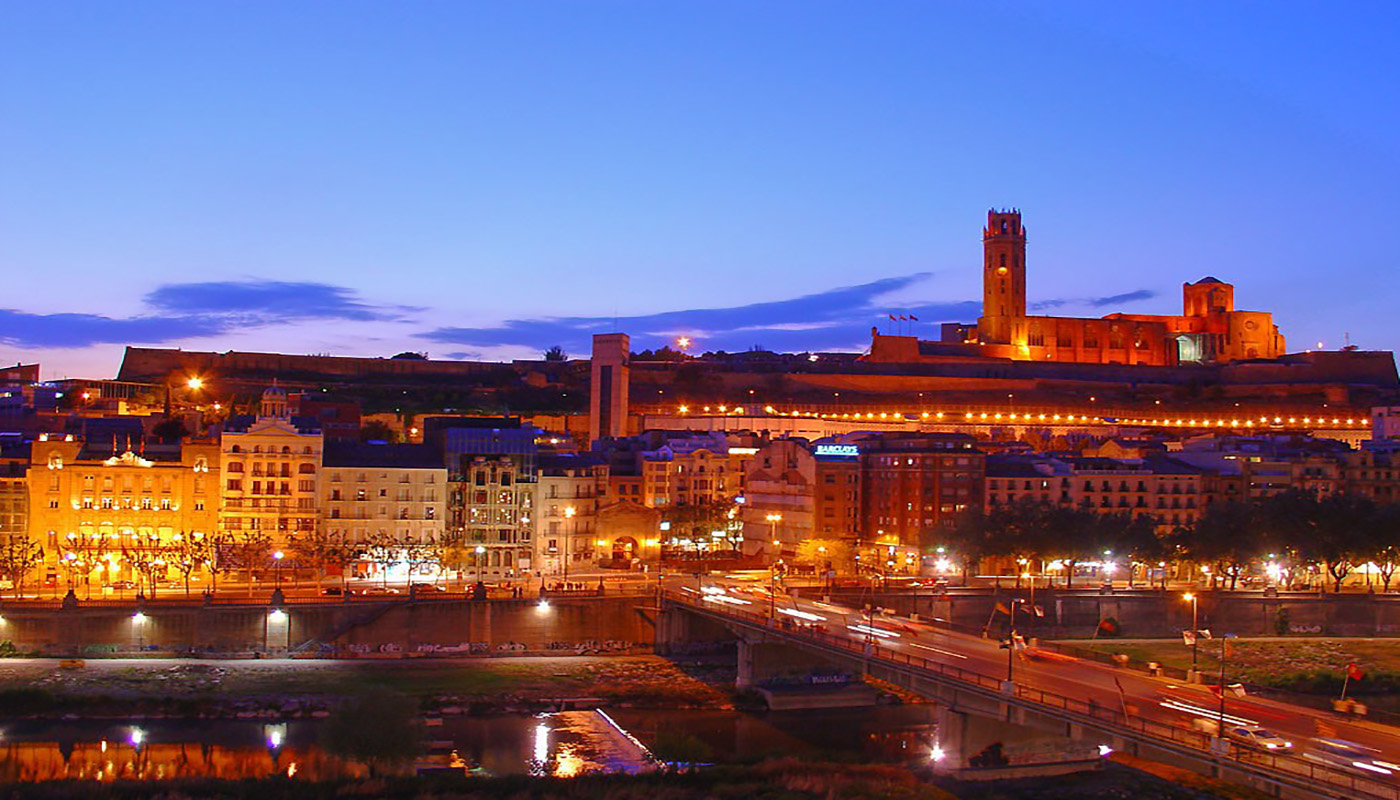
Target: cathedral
[(1209, 329)]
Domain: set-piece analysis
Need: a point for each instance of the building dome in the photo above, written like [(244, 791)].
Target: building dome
[(1208, 279), (274, 403)]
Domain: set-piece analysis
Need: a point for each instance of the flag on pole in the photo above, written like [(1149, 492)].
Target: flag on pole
[(1039, 611), (914, 318), (1354, 672), (1002, 608), (1188, 637), (892, 319)]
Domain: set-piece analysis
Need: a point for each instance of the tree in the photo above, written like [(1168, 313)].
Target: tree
[(188, 552), (1343, 538), (970, 539), (556, 353), (1385, 554), (244, 550), (324, 552), (384, 552), (146, 557), (1131, 537), (171, 429), (422, 555), (696, 521), (378, 431), (1223, 537), (410, 355), (824, 554), (19, 555)]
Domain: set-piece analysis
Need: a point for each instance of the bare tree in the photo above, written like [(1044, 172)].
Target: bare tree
[(19, 555)]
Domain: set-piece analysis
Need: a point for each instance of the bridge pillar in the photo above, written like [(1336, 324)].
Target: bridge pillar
[(761, 660), (952, 736), (676, 628)]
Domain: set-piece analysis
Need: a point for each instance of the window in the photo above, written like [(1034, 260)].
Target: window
[(235, 485)]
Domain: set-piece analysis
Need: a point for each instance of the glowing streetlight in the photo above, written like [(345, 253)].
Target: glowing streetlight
[(195, 383), (1195, 627)]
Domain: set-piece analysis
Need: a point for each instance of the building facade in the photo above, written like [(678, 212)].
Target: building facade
[(272, 465)]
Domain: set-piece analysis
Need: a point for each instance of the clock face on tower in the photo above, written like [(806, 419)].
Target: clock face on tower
[(1001, 270)]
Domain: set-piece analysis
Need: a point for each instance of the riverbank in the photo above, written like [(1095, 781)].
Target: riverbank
[(1311, 665), (301, 688)]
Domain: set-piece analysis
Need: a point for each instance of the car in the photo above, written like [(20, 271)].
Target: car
[(427, 587), (332, 591), (1258, 738), (379, 590), (123, 584), (1350, 756)]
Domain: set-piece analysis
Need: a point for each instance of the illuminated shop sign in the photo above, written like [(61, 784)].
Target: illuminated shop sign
[(839, 450)]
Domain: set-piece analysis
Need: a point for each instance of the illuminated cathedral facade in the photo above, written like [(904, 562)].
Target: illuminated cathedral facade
[(1209, 329)]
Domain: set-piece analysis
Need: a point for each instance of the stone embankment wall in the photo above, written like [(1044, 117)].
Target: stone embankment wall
[(494, 627)]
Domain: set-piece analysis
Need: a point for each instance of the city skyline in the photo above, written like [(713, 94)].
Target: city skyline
[(483, 182)]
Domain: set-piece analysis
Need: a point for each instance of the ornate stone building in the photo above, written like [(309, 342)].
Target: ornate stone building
[(1208, 330), (271, 469)]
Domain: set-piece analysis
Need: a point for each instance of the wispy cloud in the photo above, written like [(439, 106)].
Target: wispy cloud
[(190, 310), (1095, 302), (274, 300), (22, 329), (837, 319)]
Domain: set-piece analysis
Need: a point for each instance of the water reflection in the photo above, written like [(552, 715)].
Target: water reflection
[(561, 745)]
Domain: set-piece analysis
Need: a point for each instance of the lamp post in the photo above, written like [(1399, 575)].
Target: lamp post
[(277, 568), (1195, 630), (480, 551), (569, 513), (773, 520)]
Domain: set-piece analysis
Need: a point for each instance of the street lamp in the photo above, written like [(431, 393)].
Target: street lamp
[(277, 567), (480, 551), (773, 520), (568, 537), (1195, 630)]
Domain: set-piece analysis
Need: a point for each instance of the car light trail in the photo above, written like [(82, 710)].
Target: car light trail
[(936, 650), (1205, 713), (880, 632), (810, 617)]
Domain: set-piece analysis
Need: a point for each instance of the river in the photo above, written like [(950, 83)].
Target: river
[(562, 744)]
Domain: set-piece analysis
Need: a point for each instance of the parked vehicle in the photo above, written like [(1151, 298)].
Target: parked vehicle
[(123, 584)]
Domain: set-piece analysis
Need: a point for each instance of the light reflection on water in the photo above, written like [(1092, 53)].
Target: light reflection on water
[(561, 745)]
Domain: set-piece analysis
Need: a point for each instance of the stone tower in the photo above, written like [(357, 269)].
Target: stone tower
[(607, 406), (1003, 279)]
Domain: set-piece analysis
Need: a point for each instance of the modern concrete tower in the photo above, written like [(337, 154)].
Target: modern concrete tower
[(607, 401), (1003, 279)]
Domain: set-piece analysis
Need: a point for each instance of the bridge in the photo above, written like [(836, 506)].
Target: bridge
[(967, 675)]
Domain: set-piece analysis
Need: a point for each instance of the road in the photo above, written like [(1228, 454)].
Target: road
[(1134, 693)]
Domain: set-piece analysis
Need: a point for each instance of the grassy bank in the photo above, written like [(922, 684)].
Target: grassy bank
[(1308, 665), (187, 688)]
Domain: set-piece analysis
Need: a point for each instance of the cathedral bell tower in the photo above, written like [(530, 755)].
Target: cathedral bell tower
[(1003, 279)]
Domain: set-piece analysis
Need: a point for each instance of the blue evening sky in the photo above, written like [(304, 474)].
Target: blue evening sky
[(487, 179)]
